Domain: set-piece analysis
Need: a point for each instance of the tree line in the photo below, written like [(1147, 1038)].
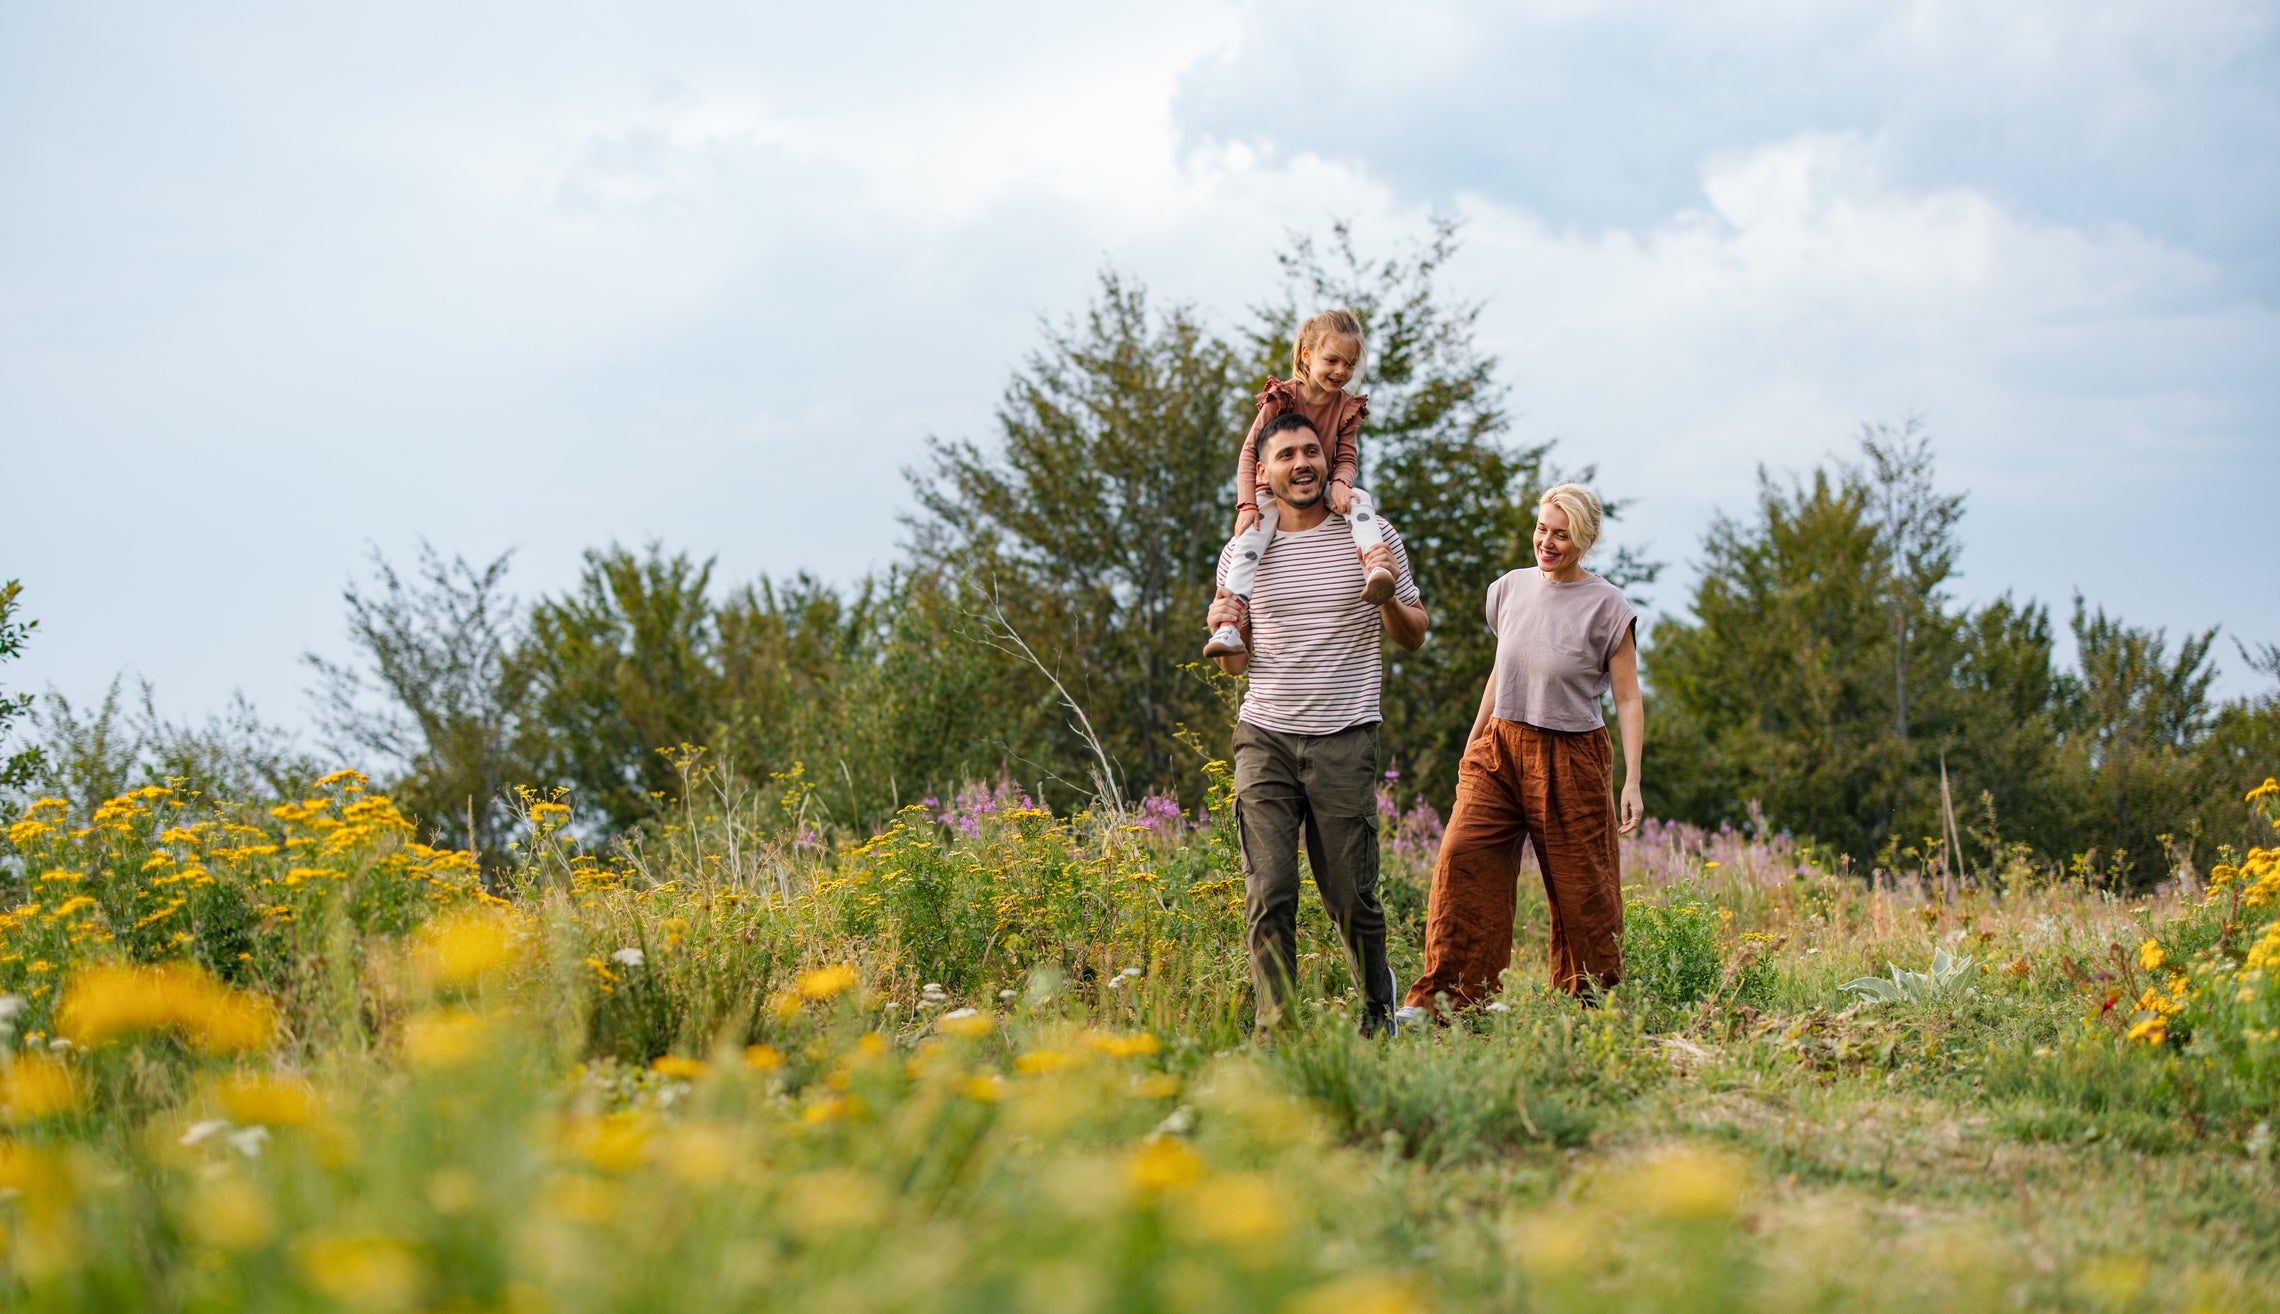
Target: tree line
[(1044, 621)]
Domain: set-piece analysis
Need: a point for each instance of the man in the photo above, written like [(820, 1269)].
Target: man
[(1306, 739)]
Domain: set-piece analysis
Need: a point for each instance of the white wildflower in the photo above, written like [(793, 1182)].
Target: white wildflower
[(249, 1140), (629, 956), (199, 1131)]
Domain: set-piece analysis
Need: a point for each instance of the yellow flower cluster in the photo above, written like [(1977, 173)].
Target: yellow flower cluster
[(108, 1002)]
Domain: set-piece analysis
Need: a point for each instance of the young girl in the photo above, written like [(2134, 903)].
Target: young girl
[(1322, 362)]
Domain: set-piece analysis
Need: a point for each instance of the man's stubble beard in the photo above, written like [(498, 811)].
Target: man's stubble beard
[(1283, 494)]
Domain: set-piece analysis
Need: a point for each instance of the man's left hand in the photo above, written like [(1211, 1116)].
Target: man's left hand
[(1380, 557)]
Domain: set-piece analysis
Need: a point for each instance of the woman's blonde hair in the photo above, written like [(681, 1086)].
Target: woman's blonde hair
[(1318, 327), (1582, 509)]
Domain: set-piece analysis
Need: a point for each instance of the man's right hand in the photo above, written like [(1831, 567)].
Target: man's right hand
[(1226, 609)]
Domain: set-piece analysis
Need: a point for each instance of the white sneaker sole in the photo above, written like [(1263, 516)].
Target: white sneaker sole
[(1378, 589), (1226, 641)]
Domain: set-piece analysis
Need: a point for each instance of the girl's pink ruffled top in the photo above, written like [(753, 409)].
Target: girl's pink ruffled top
[(1338, 420)]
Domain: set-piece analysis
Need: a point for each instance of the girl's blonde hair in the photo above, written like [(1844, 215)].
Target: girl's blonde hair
[(1582, 509), (1310, 335)]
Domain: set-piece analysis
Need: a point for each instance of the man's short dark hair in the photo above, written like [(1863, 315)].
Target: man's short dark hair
[(1282, 423)]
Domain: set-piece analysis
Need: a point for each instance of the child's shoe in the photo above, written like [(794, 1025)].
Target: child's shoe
[(1226, 641), (1378, 587)]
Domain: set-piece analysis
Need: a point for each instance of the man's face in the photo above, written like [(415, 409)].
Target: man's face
[(1297, 471)]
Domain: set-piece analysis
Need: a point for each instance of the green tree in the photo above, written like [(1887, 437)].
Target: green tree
[(1778, 689), (2241, 751), (2007, 763), (2132, 729), (17, 768), (429, 699), (1093, 525), (618, 672), (1916, 540)]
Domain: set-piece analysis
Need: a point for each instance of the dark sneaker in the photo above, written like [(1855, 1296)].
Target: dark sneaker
[(1226, 641), (1396, 1020), (1376, 1022)]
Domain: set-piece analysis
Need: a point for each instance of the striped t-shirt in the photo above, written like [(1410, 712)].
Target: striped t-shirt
[(1315, 667)]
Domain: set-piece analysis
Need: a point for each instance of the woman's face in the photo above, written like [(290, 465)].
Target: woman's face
[(1555, 550)]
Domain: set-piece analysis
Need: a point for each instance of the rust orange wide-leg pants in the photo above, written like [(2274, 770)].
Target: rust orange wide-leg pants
[(1553, 789)]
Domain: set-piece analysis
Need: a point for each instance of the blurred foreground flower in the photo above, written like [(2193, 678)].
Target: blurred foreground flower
[(1163, 1164), (825, 982), (457, 950), (366, 1271), (35, 1087), (964, 1022), (108, 1001), (445, 1039), (1687, 1182), (266, 1101), (1360, 1293)]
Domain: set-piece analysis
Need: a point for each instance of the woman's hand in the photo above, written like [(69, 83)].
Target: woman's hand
[(1341, 497), (1634, 807)]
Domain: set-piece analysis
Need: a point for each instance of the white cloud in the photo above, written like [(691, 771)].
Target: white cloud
[(711, 276)]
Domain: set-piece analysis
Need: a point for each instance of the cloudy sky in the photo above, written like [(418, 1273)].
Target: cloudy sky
[(281, 282)]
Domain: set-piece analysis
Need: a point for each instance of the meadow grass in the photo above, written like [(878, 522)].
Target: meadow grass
[(996, 1059)]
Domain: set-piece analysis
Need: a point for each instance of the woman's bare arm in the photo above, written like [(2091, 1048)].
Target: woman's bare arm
[(1631, 717), (1487, 706)]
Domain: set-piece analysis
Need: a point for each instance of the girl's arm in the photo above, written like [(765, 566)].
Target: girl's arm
[(1631, 718), (1346, 449)]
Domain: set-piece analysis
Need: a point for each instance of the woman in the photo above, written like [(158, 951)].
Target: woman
[(1538, 767)]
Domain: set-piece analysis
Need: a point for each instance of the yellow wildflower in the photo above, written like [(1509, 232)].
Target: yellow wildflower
[(2152, 1029), (1237, 1210), (445, 1039), (673, 1065), (461, 948), (230, 1215), (2150, 956), (614, 1144), (37, 1086), (825, 982), (367, 1270), (1164, 1163), (267, 1101), (835, 1199), (1039, 1061), (105, 1002), (1138, 1043), (1360, 1293), (764, 1058)]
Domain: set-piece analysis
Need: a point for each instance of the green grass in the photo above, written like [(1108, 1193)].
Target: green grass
[(505, 1110)]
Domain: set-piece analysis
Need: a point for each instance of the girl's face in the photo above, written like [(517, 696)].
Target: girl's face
[(1555, 550), (1330, 365)]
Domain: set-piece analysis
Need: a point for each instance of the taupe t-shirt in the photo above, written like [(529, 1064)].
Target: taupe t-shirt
[(1553, 644)]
